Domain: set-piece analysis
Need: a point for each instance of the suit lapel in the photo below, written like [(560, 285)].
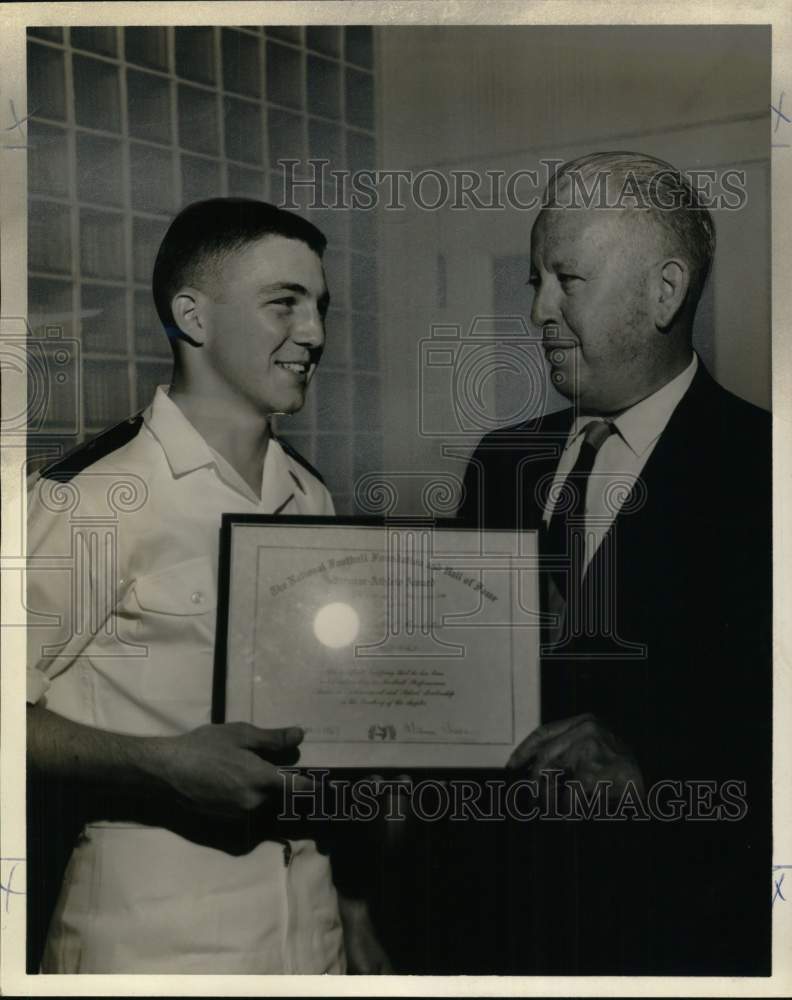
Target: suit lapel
[(669, 487), (536, 464)]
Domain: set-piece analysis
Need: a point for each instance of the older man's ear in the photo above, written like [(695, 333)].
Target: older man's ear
[(671, 291)]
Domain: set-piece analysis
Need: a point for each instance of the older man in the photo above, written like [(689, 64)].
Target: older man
[(652, 498)]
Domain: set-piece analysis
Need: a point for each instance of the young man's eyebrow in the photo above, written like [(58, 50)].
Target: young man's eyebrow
[(289, 286)]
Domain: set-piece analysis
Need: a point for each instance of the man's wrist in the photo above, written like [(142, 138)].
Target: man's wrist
[(353, 908), (154, 760)]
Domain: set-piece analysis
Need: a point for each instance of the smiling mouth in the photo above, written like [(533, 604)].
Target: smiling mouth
[(553, 341), (298, 367)]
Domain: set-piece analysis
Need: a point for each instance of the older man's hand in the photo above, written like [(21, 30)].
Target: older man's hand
[(364, 951), (584, 750)]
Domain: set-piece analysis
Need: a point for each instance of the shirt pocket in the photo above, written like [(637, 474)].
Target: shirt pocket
[(175, 611), (187, 589)]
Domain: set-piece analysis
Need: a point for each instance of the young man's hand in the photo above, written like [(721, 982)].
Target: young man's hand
[(230, 769), (226, 770)]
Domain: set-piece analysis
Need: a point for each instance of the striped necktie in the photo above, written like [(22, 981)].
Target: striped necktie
[(569, 512)]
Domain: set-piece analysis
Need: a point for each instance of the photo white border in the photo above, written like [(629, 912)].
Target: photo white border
[(14, 17)]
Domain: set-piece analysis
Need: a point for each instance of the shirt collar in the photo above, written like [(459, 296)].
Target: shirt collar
[(641, 424), (187, 451), (184, 447), (278, 481)]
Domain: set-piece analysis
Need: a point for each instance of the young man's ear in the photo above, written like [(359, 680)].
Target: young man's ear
[(186, 307), (673, 286)]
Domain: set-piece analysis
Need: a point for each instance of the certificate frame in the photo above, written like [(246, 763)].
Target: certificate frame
[(392, 753)]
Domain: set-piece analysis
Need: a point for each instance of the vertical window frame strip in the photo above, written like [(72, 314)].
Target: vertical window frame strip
[(220, 95), (74, 225), (126, 169), (313, 421)]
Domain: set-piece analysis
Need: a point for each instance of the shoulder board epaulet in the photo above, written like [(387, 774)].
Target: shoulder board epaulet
[(293, 453), (89, 452)]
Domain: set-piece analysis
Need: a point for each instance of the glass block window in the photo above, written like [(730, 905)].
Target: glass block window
[(147, 47), (96, 93), (46, 82), (241, 63), (148, 99), (102, 40), (285, 74), (325, 39), (126, 126), (48, 160), (195, 54)]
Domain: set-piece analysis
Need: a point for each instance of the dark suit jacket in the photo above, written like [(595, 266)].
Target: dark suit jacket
[(690, 581)]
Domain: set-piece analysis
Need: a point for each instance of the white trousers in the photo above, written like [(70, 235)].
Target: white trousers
[(144, 900)]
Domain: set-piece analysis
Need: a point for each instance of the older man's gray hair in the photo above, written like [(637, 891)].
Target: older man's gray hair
[(636, 182)]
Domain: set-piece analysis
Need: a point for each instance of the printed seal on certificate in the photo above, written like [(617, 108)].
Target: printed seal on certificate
[(394, 644)]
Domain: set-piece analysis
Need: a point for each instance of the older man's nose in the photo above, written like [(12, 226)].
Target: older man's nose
[(545, 306)]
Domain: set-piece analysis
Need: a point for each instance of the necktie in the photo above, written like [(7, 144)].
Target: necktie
[(568, 515)]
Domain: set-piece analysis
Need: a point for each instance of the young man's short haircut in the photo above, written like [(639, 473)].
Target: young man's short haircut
[(204, 233)]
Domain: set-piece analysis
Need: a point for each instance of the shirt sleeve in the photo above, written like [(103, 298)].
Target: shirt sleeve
[(329, 508), (63, 612)]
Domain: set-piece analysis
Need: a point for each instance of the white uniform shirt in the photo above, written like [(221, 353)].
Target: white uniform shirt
[(621, 458), (122, 593)]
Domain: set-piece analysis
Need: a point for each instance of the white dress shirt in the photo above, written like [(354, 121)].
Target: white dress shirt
[(122, 592), (621, 458)]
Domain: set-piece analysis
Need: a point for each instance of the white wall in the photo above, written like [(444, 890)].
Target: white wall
[(503, 98)]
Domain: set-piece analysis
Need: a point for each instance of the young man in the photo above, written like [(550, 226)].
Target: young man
[(181, 866)]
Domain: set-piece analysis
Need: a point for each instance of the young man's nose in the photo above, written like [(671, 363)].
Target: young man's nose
[(309, 329)]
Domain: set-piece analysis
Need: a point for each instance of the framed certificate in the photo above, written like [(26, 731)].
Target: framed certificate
[(394, 644)]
